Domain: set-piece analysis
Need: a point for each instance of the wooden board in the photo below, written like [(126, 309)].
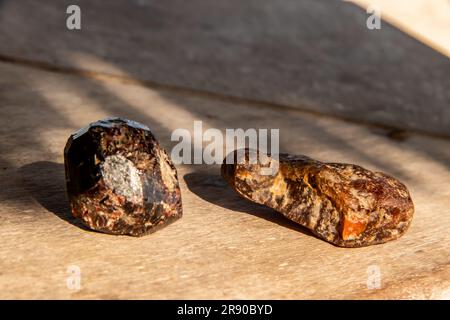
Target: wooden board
[(425, 21), (224, 246), (309, 55)]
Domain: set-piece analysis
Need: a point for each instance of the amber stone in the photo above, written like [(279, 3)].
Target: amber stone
[(119, 180), (344, 204)]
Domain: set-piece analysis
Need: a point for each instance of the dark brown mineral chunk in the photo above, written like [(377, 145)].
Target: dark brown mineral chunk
[(119, 180), (344, 204)]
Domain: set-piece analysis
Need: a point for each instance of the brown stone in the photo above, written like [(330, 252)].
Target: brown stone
[(119, 180), (344, 204)]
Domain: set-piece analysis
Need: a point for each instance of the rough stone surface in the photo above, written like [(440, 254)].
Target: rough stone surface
[(344, 204), (119, 180)]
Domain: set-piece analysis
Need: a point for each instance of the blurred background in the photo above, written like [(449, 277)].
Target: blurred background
[(316, 56)]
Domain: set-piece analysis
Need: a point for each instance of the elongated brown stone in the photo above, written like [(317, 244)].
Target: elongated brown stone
[(344, 204), (119, 180)]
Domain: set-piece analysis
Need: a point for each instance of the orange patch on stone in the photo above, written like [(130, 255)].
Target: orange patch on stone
[(352, 229)]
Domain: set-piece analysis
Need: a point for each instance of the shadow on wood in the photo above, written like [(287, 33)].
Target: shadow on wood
[(44, 181), (212, 188)]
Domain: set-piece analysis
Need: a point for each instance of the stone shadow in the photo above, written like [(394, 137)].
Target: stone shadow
[(213, 189), (45, 182)]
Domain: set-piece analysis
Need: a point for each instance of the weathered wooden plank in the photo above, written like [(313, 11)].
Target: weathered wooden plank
[(223, 247), (311, 55), (425, 21)]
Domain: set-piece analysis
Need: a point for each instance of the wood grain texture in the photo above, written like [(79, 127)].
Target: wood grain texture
[(311, 55), (424, 20), (224, 246)]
